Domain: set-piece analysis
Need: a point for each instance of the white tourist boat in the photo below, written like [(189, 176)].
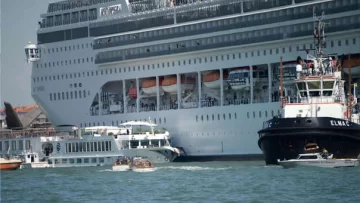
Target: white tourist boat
[(102, 145), (91, 58), (317, 160)]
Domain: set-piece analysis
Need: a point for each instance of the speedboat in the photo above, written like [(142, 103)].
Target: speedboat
[(121, 164), (140, 164), (9, 164), (318, 160)]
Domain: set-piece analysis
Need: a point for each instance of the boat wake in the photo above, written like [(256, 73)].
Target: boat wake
[(192, 168)]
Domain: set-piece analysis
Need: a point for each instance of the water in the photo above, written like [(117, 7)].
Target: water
[(183, 182)]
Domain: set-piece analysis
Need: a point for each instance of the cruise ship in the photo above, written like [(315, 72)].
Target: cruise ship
[(208, 71)]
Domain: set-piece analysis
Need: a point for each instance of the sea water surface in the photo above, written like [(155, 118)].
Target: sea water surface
[(183, 182)]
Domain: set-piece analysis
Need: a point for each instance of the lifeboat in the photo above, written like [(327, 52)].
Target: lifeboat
[(133, 93), (149, 86), (239, 79), (212, 79), (289, 73), (354, 63), (169, 84)]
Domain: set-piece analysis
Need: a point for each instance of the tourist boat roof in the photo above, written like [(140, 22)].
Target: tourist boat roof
[(131, 123)]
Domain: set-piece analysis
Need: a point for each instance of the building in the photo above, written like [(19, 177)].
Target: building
[(30, 116)]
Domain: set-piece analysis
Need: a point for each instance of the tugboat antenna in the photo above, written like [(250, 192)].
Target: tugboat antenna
[(350, 98)]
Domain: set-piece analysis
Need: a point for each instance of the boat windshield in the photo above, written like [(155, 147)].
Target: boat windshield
[(307, 157)]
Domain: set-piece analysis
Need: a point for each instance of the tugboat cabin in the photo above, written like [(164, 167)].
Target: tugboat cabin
[(318, 95)]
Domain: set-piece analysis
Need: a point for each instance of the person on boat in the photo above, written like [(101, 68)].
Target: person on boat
[(325, 153)]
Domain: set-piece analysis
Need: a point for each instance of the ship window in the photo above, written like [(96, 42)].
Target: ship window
[(339, 43), (67, 95), (218, 116), (266, 114), (254, 114), (314, 85), (224, 116), (78, 161), (248, 115), (260, 114), (354, 41), (301, 85), (328, 84)]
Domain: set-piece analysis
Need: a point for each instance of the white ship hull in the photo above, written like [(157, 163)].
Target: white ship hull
[(222, 130), (329, 163)]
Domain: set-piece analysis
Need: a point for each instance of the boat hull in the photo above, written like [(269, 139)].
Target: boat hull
[(289, 136), (329, 163), (10, 166), (35, 165), (121, 168), (155, 155)]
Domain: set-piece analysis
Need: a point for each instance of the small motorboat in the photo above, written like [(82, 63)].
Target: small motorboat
[(9, 164), (140, 164), (121, 164), (318, 160), (32, 160)]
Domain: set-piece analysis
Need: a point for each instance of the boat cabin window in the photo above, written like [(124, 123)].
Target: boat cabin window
[(308, 157)]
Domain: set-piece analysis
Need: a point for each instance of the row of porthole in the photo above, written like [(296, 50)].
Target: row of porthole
[(229, 116), (158, 65), (65, 62), (66, 95), (260, 114), (119, 70)]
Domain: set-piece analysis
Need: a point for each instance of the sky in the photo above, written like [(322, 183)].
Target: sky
[(18, 24)]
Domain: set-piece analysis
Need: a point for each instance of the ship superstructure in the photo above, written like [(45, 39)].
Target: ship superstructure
[(205, 70)]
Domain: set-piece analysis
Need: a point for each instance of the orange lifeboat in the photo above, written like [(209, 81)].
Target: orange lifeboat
[(149, 86), (169, 84), (9, 164), (212, 80), (132, 93), (354, 63)]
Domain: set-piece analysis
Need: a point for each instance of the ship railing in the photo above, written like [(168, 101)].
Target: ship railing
[(11, 134), (149, 108), (312, 100)]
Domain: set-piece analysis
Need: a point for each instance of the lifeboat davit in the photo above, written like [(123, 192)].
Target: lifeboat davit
[(149, 86), (212, 79), (133, 93), (169, 84)]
